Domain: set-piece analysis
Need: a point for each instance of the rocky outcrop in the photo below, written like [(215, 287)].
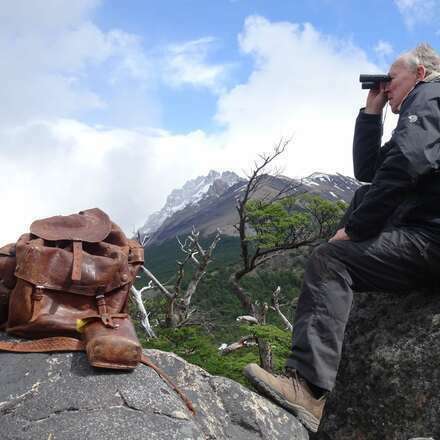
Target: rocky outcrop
[(388, 385), (60, 397)]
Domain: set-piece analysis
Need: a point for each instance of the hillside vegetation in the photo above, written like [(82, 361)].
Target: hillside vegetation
[(200, 286), (218, 307)]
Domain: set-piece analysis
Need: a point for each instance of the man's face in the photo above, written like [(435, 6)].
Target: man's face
[(403, 79)]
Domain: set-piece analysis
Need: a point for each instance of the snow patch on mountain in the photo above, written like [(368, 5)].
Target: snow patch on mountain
[(192, 193), (336, 181)]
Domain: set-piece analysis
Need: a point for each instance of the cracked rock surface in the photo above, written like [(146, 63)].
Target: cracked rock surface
[(61, 397)]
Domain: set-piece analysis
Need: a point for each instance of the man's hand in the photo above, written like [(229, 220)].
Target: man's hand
[(376, 100), (340, 235)]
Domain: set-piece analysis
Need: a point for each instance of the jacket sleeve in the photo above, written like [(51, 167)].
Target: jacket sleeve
[(366, 146), (393, 179), (413, 151), (418, 130)]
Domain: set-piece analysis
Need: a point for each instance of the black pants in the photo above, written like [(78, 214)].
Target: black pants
[(398, 259)]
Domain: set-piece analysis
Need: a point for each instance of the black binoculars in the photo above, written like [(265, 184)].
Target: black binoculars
[(373, 81)]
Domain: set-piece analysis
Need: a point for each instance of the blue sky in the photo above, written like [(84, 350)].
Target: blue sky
[(162, 23), (115, 103)]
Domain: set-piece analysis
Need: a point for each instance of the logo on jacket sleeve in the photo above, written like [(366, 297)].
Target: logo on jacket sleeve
[(412, 118)]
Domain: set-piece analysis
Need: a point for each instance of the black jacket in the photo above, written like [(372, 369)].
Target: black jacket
[(405, 172)]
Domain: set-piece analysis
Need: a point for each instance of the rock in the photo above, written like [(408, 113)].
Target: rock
[(60, 396), (388, 384)]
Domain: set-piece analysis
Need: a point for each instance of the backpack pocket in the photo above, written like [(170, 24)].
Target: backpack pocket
[(37, 312)]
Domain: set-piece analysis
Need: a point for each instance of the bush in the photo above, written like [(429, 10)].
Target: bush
[(199, 348)]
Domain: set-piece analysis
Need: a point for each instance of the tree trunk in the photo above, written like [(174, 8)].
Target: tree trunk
[(265, 350), (172, 314)]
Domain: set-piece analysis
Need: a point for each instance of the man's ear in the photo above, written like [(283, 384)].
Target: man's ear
[(421, 72)]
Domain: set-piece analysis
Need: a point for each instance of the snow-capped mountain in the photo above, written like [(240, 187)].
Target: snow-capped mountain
[(209, 203), (337, 185), (212, 185)]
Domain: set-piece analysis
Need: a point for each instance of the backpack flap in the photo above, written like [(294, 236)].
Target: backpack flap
[(91, 226)]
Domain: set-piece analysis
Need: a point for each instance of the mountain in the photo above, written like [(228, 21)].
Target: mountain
[(208, 203), (191, 194)]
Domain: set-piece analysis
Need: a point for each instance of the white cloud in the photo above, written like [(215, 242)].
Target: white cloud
[(186, 64), (45, 65), (418, 11), (63, 166), (303, 83), (20, 16), (383, 48), (52, 162), (385, 52)]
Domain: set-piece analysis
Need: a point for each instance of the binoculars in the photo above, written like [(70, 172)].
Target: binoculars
[(373, 81)]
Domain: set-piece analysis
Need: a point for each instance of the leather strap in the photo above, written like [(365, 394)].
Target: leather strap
[(146, 361), (77, 261), (57, 343)]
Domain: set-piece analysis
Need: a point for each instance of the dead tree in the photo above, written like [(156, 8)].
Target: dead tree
[(265, 350), (245, 341), (178, 299), (137, 297), (254, 253), (276, 306), (144, 315)]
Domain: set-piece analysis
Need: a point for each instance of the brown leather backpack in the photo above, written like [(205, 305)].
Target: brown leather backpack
[(68, 281)]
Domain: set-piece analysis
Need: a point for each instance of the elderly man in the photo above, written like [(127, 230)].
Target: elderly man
[(390, 239)]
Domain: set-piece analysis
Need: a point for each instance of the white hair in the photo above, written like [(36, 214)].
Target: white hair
[(423, 55)]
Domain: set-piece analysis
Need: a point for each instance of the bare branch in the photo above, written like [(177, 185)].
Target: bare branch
[(245, 341), (255, 178), (290, 188), (186, 320), (145, 322), (149, 286), (201, 265), (162, 288), (276, 307), (183, 246), (143, 240), (180, 274), (247, 319), (193, 257)]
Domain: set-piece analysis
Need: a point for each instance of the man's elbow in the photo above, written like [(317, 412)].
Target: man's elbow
[(363, 175)]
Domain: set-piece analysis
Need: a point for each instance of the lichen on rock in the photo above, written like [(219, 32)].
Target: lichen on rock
[(388, 384), (60, 396)]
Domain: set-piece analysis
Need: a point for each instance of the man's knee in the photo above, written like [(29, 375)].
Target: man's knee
[(324, 251), (328, 258)]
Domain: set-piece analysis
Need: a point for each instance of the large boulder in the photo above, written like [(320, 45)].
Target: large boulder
[(388, 385), (60, 397)]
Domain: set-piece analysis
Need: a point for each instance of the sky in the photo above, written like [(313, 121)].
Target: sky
[(114, 103)]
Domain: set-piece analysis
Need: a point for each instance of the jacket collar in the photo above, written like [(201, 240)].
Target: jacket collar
[(432, 77)]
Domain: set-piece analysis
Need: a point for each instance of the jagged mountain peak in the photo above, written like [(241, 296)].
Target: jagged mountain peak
[(209, 202), (191, 193)]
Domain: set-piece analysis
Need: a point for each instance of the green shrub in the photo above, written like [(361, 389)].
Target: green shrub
[(197, 347)]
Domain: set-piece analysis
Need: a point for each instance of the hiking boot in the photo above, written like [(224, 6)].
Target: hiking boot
[(292, 393)]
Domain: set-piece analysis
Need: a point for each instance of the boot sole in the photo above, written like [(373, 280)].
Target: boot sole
[(306, 417)]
